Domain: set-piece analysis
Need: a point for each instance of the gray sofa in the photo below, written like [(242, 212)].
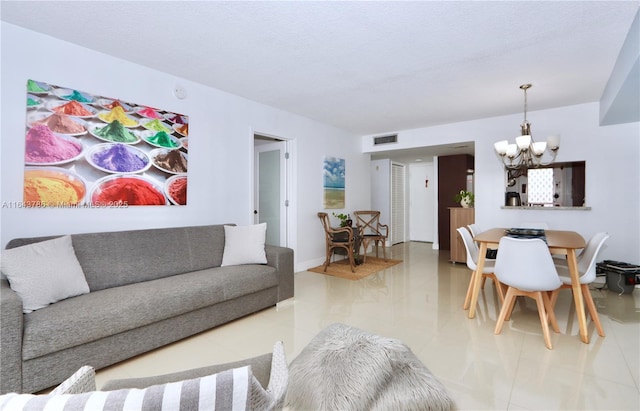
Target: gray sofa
[(148, 288)]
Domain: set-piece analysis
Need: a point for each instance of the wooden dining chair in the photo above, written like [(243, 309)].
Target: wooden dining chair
[(526, 266), (368, 223), (472, 262), (337, 238)]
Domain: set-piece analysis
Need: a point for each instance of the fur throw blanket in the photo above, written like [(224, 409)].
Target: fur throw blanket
[(345, 368)]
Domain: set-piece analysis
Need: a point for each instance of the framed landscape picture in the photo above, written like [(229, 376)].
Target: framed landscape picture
[(334, 182)]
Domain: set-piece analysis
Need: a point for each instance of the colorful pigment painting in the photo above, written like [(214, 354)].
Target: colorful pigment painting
[(85, 150), (334, 174)]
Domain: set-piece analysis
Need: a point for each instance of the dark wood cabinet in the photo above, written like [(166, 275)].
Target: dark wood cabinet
[(452, 177), (577, 184)]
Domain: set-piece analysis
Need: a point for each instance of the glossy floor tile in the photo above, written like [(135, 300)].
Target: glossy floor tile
[(420, 302)]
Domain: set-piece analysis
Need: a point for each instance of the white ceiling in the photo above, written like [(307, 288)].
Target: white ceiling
[(366, 67)]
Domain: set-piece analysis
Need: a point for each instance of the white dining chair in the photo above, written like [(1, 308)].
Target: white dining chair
[(472, 262), (531, 224), (474, 229), (491, 253), (526, 267), (592, 246), (587, 270)]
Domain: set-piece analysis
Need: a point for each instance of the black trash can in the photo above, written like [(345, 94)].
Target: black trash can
[(621, 277)]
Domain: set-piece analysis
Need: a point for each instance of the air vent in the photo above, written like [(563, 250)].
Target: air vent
[(385, 139)]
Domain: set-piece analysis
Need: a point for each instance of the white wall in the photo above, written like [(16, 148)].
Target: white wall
[(220, 147), (381, 188), (612, 171)]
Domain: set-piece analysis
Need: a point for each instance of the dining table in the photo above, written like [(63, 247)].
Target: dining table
[(559, 242)]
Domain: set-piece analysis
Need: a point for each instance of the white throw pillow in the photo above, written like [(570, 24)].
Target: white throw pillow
[(44, 273), (244, 244)]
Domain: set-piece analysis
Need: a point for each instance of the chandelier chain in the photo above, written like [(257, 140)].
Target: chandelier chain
[(525, 87), (525, 105)]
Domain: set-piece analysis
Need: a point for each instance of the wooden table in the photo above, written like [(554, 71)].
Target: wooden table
[(559, 242), (344, 237)]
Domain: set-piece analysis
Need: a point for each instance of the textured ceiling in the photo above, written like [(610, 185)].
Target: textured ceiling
[(366, 67)]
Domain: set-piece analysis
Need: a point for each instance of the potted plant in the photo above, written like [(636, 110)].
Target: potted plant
[(357, 257), (465, 198), (345, 219)]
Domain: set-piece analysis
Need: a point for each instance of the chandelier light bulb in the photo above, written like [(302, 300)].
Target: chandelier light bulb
[(523, 142), (553, 141), (539, 147), (501, 147)]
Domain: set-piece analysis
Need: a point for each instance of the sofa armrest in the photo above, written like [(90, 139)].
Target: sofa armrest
[(270, 371), (281, 258), (260, 367), (11, 320)]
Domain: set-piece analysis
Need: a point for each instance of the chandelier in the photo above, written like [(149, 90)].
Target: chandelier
[(526, 152)]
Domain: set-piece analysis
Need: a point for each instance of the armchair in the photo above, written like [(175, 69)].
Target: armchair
[(336, 238), (371, 230)]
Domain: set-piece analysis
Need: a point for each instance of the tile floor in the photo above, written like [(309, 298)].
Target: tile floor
[(420, 303)]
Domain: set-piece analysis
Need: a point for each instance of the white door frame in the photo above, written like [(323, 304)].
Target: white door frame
[(288, 237)]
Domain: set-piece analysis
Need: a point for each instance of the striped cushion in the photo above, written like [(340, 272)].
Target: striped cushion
[(228, 390)]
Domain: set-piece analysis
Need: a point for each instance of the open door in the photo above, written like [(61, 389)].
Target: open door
[(270, 188)]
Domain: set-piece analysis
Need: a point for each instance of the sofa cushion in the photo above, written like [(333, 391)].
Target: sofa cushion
[(107, 312), (119, 258), (244, 244), (110, 259), (226, 390), (44, 273)]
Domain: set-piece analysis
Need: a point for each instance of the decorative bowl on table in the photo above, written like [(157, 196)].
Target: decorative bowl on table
[(71, 108), (169, 161), (126, 190), (156, 125), (46, 148), (160, 139), (175, 188), (109, 104), (53, 187), (59, 123), (115, 132), (118, 113), (118, 158), (79, 96)]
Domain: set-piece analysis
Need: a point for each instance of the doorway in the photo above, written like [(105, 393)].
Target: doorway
[(270, 187), (397, 203), (421, 202)]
